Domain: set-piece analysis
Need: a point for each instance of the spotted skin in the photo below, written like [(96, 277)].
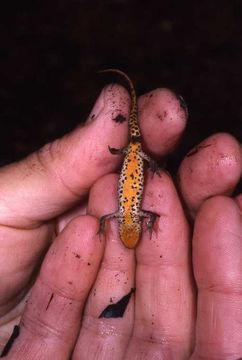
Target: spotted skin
[(130, 190), (131, 181)]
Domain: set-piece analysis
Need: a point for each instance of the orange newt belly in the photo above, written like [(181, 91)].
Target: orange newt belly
[(131, 184)]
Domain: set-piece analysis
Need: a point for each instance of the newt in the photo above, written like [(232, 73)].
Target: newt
[(131, 179)]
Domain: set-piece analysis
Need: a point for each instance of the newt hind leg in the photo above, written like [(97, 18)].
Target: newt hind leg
[(103, 219), (151, 216), (153, 165)]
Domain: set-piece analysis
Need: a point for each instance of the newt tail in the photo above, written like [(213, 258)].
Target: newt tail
[(131, 180)]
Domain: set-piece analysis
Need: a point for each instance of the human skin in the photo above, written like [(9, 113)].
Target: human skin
[(188, 298)]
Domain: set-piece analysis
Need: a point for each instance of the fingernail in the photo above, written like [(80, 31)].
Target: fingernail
[(183, 104), (97, 108)]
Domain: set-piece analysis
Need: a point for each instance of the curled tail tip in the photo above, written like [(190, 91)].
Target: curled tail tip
[(120, 72), (112, 70)]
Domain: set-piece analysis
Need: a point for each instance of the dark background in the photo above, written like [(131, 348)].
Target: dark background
[(50, 52)]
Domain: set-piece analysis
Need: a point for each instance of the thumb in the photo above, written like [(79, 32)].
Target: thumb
[(50, 180)]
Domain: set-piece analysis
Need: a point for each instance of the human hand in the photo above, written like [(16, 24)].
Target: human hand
[(79, 278)]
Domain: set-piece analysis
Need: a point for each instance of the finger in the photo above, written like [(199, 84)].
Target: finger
[(51, 321), (213, 168), (54, 178), (217, 260), (164, 303), (115, 280)]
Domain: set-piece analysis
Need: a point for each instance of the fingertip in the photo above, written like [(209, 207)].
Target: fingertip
[(213, 167), (163, 118), (107, 126), (113, 99), (218, 210), (86, 225)]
